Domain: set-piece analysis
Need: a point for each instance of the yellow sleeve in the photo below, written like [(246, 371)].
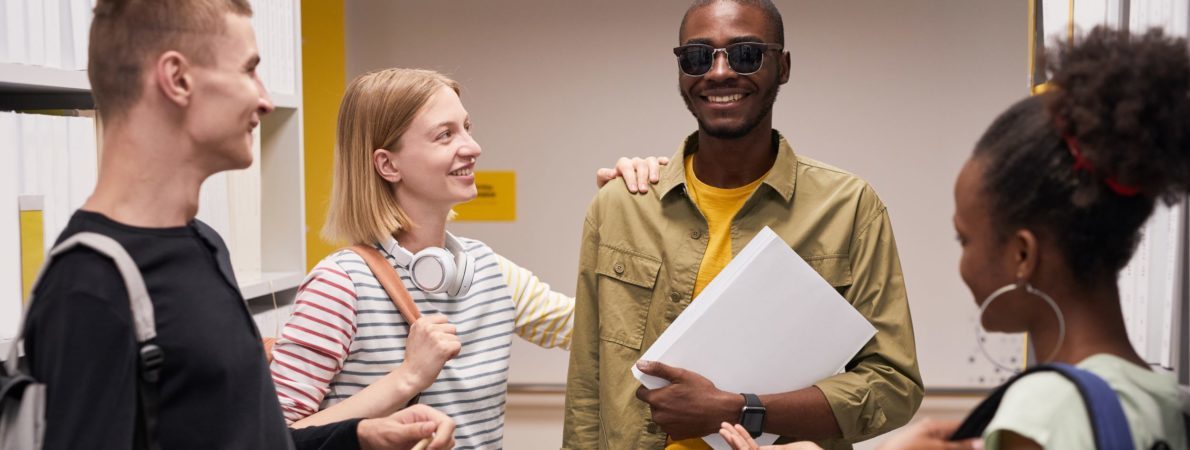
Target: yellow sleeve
[(543, 316)]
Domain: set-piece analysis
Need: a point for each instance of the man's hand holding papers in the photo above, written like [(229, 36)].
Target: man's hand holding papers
[(690, 406)]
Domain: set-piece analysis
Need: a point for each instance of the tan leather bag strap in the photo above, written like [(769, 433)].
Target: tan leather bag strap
[(389, 280)]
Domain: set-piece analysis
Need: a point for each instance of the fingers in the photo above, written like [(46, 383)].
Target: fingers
[(627, 168), (642, 175), (638, 173), (437, 428), (658, 369), (444, 435), (433, 319), (602, 176), (744, 437), (642, 394), (969, 444), (943, 429), (736, 437), (434, 324), (432, 342), (413, 434), (654, 168)]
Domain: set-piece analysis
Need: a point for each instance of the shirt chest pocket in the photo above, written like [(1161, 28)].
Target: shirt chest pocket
[(625, 280)]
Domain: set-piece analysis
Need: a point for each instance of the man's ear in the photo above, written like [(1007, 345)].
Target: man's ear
[(171, 74), (385, 164), (1023, 245), (785, 67)]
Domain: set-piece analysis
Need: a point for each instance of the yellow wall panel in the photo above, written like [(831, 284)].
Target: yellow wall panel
[(324, 77), (496, 200)]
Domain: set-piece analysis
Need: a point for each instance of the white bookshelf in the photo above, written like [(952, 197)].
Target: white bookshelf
[(282, 213), (287, 101), (270, 282), (25, 78)]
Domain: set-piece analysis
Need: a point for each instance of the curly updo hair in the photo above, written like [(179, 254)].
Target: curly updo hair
[(1121, 101)]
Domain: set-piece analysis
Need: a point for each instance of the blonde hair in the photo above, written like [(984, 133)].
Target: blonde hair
[(377, 109)]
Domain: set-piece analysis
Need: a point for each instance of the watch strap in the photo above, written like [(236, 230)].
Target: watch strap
[(752, 415)]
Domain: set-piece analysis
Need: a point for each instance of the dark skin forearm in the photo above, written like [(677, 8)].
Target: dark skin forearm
[(691, 406), (803, 414)]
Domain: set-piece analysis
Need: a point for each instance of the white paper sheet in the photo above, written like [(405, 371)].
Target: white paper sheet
[(10, 229)]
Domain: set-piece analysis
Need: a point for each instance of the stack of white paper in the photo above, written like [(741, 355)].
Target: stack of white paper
[(10, 230), (244, 208), (56, 163), (759, 327), (273, 21), (230, 202), (49, 33)]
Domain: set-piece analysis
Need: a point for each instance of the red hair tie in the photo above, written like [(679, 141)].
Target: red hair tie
[(1081, 163)]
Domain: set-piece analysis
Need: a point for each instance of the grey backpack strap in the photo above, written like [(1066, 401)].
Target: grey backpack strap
[(138, 295), (144, 323)]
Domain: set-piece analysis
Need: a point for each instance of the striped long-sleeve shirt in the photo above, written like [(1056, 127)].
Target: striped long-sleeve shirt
[(346, 334)]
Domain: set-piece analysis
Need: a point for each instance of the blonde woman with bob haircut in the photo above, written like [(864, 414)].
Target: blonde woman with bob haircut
[(405, 157)]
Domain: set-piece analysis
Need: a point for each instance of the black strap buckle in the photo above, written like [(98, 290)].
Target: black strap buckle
[(151, 360)]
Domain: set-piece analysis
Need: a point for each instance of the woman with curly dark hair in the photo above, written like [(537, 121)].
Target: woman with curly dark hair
[(1048, 210)]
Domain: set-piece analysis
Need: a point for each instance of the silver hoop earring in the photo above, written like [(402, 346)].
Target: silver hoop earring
[(979, 332)]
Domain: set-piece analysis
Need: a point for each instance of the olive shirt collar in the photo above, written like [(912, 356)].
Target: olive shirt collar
[(782, 177)]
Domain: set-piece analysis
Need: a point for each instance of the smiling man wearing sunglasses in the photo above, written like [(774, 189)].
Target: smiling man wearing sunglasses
[(644, 258)]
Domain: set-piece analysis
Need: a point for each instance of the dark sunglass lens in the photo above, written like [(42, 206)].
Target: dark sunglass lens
[(695, 60), (745, 58)]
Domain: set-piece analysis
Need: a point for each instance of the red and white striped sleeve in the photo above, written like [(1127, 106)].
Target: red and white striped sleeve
[(315, 341)]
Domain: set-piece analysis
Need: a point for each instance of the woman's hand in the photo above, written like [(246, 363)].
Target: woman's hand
[(930, 435), (432, 342), (739, 439), (638, 173)]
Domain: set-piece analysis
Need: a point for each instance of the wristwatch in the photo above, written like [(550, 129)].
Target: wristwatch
[(752, 415)]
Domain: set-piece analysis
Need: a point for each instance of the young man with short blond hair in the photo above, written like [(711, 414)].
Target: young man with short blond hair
[(175, 84)]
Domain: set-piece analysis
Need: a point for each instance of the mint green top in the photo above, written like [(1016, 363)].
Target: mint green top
[(1048, 409)]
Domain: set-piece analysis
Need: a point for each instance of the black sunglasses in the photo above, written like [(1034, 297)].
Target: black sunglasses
[(745, 58)]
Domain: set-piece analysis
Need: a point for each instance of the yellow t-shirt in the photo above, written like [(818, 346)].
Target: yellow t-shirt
[(719, 206)]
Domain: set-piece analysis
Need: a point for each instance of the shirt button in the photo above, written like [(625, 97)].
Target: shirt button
[(675, 296), (619, 269), (653, 428), (695, 234), (671, 315)]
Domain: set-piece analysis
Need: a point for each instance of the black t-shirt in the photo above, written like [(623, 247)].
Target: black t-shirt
[(215, 390)]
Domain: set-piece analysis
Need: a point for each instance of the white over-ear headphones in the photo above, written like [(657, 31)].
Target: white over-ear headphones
[(436, 270)]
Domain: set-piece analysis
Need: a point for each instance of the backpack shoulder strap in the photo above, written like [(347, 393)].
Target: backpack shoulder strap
[(144, 323), (1109, 425), (389, 280), (138, 296)]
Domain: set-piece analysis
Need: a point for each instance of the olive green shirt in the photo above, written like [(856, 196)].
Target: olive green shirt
[(637, 267)]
